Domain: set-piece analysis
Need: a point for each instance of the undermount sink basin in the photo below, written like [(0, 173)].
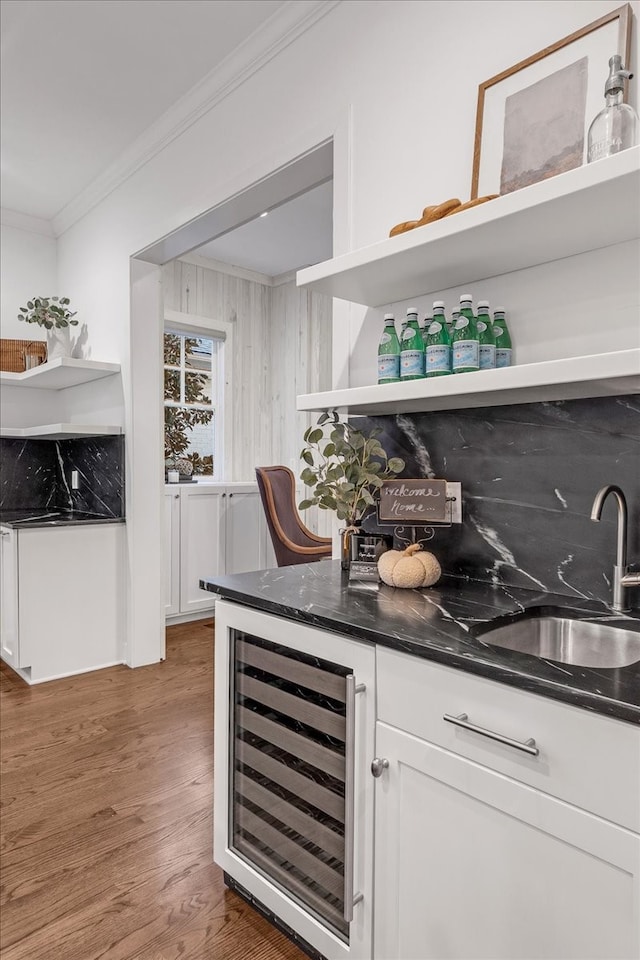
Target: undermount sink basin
[(581, 643)]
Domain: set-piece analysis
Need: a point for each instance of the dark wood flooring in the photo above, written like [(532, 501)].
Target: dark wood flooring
[(106, 818)]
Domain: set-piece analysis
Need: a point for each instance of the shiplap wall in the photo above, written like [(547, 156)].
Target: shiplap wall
[(281, 347)]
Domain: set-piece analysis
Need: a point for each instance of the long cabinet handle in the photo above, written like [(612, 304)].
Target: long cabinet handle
[(349, 794), (462, 720)]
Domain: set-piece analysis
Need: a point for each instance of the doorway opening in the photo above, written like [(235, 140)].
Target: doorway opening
[(230, 275)]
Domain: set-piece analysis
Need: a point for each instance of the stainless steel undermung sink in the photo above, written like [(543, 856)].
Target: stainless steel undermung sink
[(581, 643)]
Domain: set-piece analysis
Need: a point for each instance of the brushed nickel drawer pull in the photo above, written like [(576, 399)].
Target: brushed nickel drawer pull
[(462, 720)]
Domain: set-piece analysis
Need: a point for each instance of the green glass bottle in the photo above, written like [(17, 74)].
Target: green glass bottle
[(389, 352), (465, 348), (504, 351), (412, 349), (452, 321), (437, 344), (486, 338)]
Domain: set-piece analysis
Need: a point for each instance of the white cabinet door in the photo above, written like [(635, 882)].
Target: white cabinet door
[(9, 636), (201, 544), (470, 863), (171, 558), (245, 530)]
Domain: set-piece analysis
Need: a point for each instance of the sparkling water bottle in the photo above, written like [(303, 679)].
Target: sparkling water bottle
[(412, 349), (465, 347), (486, 337), (389, 352), (504, 352), (437, 343)]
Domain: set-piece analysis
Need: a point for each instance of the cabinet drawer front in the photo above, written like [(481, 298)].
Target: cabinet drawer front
[(586, 759)]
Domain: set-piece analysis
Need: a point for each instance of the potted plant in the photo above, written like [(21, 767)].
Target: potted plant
[(54, 315), (344, 468)]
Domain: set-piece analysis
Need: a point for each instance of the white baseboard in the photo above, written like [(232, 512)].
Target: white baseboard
[(189, 617), (25, 674)]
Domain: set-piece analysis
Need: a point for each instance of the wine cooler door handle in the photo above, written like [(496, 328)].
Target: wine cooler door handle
[(350, 899)]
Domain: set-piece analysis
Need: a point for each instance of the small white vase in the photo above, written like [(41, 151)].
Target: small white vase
[(58, 343)]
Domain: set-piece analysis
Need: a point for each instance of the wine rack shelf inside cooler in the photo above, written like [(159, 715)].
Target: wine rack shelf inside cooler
[(289, 772)]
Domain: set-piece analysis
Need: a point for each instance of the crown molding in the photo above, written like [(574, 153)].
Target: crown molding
[(22, 221), (288, 23), (281, 278)]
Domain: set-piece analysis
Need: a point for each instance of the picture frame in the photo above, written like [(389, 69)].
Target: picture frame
[(532, 119)]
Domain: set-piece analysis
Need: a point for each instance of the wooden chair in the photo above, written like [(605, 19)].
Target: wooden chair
[(292, 541)]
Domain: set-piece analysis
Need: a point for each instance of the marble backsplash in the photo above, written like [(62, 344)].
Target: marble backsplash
[(529, 475), (37, 473)]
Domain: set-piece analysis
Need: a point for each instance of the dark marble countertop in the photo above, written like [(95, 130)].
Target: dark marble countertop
[(441, 624), (51, 517)]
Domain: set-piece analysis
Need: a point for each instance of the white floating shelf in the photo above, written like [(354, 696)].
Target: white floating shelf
[(601, 375), (60, 431), (594, 206), (60, 373)]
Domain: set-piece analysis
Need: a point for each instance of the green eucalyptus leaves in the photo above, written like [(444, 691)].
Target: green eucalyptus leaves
[(344, 467), (48, 312)]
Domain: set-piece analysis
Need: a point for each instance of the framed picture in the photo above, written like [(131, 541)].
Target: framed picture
[(532, 119)]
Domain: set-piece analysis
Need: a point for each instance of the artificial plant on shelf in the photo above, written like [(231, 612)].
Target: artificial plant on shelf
[(54, 315), (344, 469), (48, 312)]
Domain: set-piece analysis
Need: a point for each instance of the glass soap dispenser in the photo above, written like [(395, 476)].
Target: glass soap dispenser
[(616, 127)]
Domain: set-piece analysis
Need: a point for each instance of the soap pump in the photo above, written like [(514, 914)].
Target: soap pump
[(615, 128)]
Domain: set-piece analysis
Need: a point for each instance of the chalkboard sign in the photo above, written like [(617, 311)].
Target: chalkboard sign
[(414, 501)]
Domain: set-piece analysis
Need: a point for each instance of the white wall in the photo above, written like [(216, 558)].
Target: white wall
[(28, 266), (396, 82)]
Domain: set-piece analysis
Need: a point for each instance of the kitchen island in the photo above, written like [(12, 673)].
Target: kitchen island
[(464, 788)]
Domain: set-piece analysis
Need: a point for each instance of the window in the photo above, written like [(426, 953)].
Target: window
[(192, 400)]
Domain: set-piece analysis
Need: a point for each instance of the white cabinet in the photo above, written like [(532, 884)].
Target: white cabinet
[(247, 544), (202, 546), (9, 637), (470, 860), (62, 596), (210, 529), (519, 842), (300, 757)]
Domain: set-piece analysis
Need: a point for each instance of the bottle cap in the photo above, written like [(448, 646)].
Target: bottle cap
[(438, 303), (412, 310), (465, 296), (389, 316), (483, 303), (499, 310), (617, 75)]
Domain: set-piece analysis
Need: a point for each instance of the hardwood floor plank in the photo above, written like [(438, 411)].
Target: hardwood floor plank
[(106, 840)]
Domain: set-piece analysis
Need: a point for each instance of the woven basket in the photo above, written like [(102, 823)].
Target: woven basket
[(13, 352)]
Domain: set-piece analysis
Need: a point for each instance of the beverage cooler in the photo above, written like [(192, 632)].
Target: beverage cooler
[(294, 722)]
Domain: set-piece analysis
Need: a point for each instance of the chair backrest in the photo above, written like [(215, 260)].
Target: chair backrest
[(292, 541)]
